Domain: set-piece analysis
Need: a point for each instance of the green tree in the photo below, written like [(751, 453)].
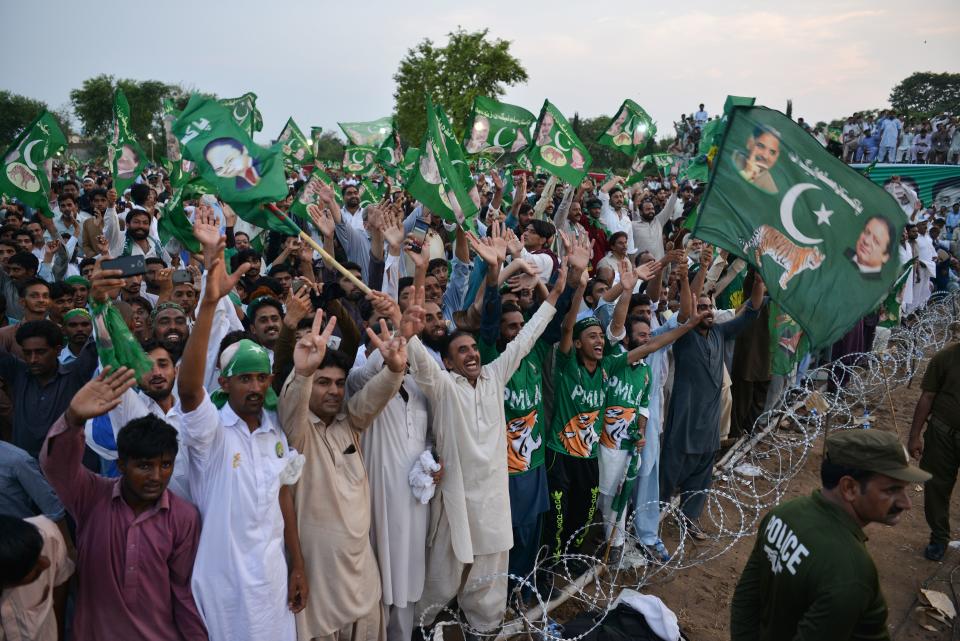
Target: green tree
[(16, 112), (924, 94), (330, 146), (469, 65)]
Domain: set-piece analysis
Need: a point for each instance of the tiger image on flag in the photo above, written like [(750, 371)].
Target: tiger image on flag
[(793, 258), (520, 442), (616, 425), (578, 436)]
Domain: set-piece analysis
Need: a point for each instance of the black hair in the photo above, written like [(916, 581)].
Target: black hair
[(146, 437), (87, 261), (69, 181), (508, 307), (98, 191), (241, 233), (40, 329), (437, 262), (831, 473), (543, 228), (336, 358), (353, 267), (20, 548), (260, 303), (244, 256), (346, 187), (235, 336), (615, 235), (403, 283), (280, 269), (26, 260), (151, 344), (639, 299), (59, 289), (63, 197), (155, 260), (448, 340), (13, 212), (139, 193), (30, 282), (525, 207), (136, 212), (23, 231)]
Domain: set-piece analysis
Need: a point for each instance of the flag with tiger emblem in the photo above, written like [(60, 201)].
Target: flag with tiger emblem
[(823, 237)]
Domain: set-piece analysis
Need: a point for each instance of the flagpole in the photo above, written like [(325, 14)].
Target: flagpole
[(327, 258)]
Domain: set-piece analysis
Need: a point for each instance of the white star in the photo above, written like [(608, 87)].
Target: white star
[(823, 215)]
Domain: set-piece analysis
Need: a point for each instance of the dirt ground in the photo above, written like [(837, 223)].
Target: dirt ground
[(700, 596)]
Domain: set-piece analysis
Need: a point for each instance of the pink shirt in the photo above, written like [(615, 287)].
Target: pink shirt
[(134, 571)]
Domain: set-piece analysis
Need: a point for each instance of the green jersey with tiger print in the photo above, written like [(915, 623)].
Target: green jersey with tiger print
[(627, 399)]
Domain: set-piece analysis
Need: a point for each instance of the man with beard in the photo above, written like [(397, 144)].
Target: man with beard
[(137, 240), (136, 542), (240, 465), (265, 316), (810, 575), (35, 301), (434, 334), (170, 327), (185, 295), (648, 229), (692, 432), (152, 278), (352, 212), (77, 328), (615, 215)]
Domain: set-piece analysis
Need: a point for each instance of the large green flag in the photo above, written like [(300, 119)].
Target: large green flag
[(309, 194), (368, 134), (245, 113), (260, 215), (371, 193), (788, 343), (630, 130), (823, 237), (496, 128), (175, 224), (890, 308), (237, 169), (127, 159), (665, 164), (410, 160), (315, 133), (557, 149), (297, 150), (390, 155), (28, 161), (360, 160), (442, 179)]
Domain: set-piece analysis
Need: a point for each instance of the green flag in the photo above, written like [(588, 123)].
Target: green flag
[(390, 155), (360, 160), (410, 160), (309, 194), (630, 130), (823, 237), (27, 163), (127, 159), (367, 134), (245, 113), (315, 133), (260, 215), (557, 149), (442, 179), (116, 344), (175, 224), (788, 343), (371, 193), (890, 308), (497, 129), (236, 169), (665, 163), (297, 150)]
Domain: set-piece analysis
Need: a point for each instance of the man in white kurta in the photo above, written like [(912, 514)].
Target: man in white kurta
[(470, 527)]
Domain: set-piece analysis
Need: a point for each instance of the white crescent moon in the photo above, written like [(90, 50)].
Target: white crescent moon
[(26, 154), (786, 213), (496, 137), (556, 141)]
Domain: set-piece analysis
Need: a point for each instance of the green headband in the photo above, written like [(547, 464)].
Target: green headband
[(77, 280), (244, 357), (78, 311), (584, 324)]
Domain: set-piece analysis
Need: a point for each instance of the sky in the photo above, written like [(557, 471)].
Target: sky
[(323, 62)]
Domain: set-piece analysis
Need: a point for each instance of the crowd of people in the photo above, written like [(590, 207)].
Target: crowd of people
[(320, 450)]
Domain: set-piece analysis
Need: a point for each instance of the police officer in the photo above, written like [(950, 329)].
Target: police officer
[(810, 575)]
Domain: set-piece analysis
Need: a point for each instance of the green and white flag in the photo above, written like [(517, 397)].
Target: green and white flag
[(665, 163), (315, 133), (442, 179), (127, 159), (390, 155), (297, 150), (28, 162), (823, 237), (174, 223), (309, 194), (371, 193), (410, 161), (360, 160), (630, 130), (557, 149), (235, 168), (245, 112), (368, 134), (496, 128), (890, 308)]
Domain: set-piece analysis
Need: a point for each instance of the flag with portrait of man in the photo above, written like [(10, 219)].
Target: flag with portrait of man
[(556, 148), (629, 130), (127, 159), (823, 237), (27, 163)]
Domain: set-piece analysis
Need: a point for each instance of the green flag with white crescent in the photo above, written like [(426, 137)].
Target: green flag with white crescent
[(367, 134), (630, 129), (236, 169), (28, 162), (823, 237), (297, 150), (557, 149), (245, 113), (390, 155), (360, 160), (371, 193), (127, 159), (890, 308), (663, 162), (442, 179), (497, 129), (309, 193)]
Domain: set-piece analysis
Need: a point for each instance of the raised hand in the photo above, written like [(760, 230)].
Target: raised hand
[(298, 307), (105, 283), (497, 181), (100, 395), (413, 319), (309, 351), (498, 240), (628, 277), (486, 251), (219, 283), (102, 246), (514, 245), (392, 348), (706, 257), (579, 256), (386, 307), (50, 250), (647, 271), (206, 229), (322, 219), (393, 229), (421, 258)]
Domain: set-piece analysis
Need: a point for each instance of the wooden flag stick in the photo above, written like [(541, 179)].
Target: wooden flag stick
[(327, 258)]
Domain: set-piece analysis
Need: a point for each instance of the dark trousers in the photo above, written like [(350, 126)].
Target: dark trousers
[(941, 457), (748, 398), (686, 473), (574, 487)]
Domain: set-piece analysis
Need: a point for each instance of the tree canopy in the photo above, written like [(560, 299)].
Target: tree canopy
[(17, 112), (469, 65), (924, 94)]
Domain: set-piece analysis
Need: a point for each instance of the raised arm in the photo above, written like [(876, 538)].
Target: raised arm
[(687, 303), (366, 404), (628, 280)]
